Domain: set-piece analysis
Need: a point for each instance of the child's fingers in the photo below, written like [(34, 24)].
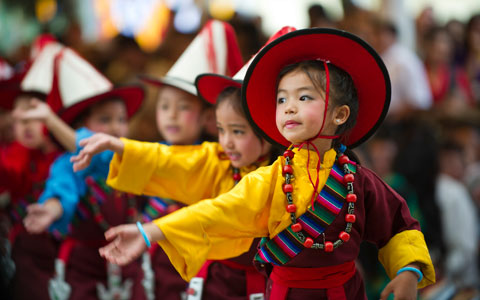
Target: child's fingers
[(85, 141), (32, 208), (82, 163), (386, 292), (111, 233)]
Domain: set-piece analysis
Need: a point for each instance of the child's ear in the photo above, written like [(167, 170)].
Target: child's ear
[(341, 114)]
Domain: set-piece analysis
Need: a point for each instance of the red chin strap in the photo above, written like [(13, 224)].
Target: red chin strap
[(309, 142)]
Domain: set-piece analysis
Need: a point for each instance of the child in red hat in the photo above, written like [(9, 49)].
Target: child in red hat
[(240, 151), (24, 165), (84, 97), (182, 118), (314, 205)]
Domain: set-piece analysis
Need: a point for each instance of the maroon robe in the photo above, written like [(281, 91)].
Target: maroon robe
[(23, 172), (380, 214)]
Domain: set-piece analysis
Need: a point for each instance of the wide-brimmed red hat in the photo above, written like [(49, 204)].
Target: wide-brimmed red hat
[(210, 85), (76, 85), (339, 48), (214, 50)]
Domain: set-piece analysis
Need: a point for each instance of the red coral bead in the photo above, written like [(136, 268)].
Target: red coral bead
[(172, 208), (350, 218), (287, 169), (343, 159), (287, 188), (296, 227), (352, 198), (328, 246), (291, 208), (344, 236), (348, 178), (237, 176), (308, 243), (288, 153)]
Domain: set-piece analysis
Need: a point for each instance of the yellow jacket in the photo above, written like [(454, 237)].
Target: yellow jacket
[(224, 227)]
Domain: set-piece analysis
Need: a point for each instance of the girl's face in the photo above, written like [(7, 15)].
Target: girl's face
[(29, 133), (108, 117), (237, 138), (180, 116), (300, 109)]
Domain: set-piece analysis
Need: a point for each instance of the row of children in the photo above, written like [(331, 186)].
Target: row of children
[(312, 206)]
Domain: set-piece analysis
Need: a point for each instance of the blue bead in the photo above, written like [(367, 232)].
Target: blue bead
[(342, 148)]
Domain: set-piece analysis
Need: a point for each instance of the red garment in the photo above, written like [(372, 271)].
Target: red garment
[(227, 281), (22, 168), (330, 278), (84, 267), (449, 79), (23, 172)]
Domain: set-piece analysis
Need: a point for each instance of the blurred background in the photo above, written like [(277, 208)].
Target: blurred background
[(428, 149)]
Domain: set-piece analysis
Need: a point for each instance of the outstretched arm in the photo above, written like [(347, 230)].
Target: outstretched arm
[(39, 110), (93, 145), (127, 242), (403, 286), (41, 216)]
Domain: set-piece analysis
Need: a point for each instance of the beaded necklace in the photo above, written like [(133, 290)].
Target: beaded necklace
[(351, 198)]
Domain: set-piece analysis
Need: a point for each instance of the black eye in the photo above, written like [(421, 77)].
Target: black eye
[(305, 97), (238, 132), (281, 100)]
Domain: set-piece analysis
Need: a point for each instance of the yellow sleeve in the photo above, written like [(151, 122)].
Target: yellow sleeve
[(404, 248), (184, 173), (218, 228)]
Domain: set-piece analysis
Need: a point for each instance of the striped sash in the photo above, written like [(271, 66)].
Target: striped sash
[(285, 245)]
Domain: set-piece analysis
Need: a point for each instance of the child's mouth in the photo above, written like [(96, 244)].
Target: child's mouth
[(172, 129), (291, 124), (233, 156)]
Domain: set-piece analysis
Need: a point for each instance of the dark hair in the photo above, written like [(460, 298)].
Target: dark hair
[(80, 119), (232, 95), (342, 89)]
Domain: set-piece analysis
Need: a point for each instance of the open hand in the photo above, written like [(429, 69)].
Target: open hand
[(39, 218), (37, 110), (93, 145), (127, 244)]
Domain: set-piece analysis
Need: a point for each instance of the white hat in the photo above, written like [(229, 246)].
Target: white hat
[(214, 50), (77, 84), (209, 85), (40, 74)]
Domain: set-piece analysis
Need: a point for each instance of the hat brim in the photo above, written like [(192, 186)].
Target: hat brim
[(210, 85), (340, 48), (9, 92), (171, 81), (132, 96)]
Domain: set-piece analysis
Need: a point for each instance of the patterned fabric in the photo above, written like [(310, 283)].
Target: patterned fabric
[(19, 209), (285, 245)]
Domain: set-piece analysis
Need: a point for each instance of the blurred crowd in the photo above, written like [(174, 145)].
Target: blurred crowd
[(428, 149)]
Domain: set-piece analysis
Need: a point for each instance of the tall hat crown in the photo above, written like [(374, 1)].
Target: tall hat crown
[(39, 76), (76, 85), (214, 50), (210, 85)]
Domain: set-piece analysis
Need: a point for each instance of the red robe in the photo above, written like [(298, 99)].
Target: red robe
[(23, 172)]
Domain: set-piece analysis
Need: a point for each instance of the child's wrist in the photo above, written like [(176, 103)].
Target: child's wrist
[(117, 145), (417, 272), (144, 234)]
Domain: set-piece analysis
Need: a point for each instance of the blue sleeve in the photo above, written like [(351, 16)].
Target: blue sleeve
[(99, 164), (63, 185), (68, 186)]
